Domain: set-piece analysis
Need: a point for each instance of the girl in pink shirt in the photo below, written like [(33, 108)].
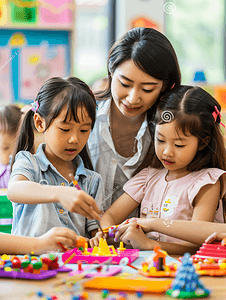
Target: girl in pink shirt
[(183, 177)]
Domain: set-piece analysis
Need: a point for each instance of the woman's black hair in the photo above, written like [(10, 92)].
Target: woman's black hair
[(52, 97)]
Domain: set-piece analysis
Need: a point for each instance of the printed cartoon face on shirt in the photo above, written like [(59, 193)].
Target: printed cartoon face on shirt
[(169, 204), (144, 212)]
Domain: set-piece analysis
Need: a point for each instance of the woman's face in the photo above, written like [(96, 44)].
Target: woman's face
[(134, 91)]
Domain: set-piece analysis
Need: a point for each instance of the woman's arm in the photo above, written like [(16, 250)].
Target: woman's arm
[(21, 190)]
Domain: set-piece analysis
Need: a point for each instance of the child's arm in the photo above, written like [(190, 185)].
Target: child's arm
[(116, 214), (206, 202), (134, 235), (184, 230), (21, 190), (12, 244), (119, 211)]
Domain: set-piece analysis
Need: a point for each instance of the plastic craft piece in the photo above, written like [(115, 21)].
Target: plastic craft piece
[(155, 265), (101, 254), (214, 250), (111, 271), (132, 285), (186, 285)]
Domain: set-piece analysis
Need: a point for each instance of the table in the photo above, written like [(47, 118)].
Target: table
[(17, 289)]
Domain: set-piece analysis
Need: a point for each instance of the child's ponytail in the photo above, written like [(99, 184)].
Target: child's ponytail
[(25, 140)]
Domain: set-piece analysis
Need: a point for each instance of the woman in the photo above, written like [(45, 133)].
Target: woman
[(142, 66)]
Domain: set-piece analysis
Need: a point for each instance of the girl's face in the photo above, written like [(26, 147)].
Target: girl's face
[(64, 140), (174, 149), (134, 91), (7, 143)]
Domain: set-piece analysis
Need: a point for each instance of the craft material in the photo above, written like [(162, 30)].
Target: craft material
[(26, 267), (101, 254), (132, 285), (187, 285)]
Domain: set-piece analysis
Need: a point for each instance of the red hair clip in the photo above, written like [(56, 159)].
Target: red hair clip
[(215, 114)]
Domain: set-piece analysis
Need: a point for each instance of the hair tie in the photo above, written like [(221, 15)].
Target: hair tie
[(34, 106), (215, 114)]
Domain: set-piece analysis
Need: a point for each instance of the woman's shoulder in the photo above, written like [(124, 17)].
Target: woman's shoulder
[(103, 106)]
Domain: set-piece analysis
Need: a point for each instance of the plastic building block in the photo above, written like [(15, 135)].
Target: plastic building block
[(100, 254), (214, 250)]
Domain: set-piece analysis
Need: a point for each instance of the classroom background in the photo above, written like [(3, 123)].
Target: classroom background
[(40, 39)]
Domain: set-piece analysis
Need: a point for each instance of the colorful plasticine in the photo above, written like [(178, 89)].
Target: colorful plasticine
[(27, 267)]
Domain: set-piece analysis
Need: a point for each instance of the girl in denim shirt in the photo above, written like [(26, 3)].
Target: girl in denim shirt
[(41, 185)]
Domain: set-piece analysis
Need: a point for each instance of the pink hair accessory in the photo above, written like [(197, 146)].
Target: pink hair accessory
[(35, 106), (215, 114)]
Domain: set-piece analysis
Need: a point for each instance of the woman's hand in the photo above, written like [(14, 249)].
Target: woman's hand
[(77, 201), (51, 240)]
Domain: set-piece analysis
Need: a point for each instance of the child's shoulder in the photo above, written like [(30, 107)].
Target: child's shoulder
[(150, 172), (208, 173)]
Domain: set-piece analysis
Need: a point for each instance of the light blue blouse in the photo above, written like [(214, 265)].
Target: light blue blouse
[(36, 219)]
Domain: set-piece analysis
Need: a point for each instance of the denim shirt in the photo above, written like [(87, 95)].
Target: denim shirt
[(36, 219), (114, 170)]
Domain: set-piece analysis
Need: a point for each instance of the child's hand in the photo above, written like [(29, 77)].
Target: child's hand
[(132, 234), (216, 237), (51, 239), (95, 240), (79, 202)]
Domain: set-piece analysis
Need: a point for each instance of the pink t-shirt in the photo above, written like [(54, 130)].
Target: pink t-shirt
[(171, 200)]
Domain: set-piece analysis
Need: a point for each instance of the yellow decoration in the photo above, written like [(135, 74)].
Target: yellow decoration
[(17, 40), (5, 257), (222, 266), (95, 250), (121, 248), (113, 250), (7, 269), (34, 59), (153, 270), (85, 252), (103, 248)]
